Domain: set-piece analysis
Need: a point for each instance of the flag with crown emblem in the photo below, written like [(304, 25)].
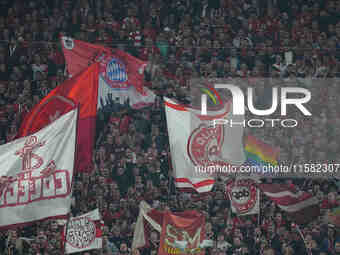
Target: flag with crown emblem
[(36, 173)]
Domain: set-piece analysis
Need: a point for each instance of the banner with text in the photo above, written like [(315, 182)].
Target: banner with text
[(84, 233), (36, 173), (182, 233)]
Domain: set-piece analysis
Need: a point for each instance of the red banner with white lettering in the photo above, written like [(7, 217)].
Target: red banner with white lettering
[(182, 233)]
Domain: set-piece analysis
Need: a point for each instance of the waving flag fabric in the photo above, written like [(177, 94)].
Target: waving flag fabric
[(302, 206), (244, 195), (194, 144), (121, 75), (182, 233), (80, 90), (79, 55), (83, 233), (36, 173), (258, 153), (148, 220)]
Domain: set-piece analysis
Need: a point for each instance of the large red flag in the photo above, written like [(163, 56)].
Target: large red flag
[(80, 90), (182, 233), (119, 69)]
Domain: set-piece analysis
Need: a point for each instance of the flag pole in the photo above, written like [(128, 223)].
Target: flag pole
[(72, 182), (169, 189), (66, 229), (301, 235), (259, 214), (231, 202), (170, 179)]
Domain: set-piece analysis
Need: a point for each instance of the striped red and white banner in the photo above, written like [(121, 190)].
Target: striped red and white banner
[(302, 205)]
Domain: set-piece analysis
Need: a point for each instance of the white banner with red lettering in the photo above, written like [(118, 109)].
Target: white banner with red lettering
[(84, 233), (36, 173)]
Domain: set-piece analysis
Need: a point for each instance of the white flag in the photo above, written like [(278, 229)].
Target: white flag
[(36, 173), (121, 95), (195, 143), (84, 233), (142, 233), (244, 195)]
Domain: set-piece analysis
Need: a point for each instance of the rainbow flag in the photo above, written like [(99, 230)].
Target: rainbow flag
[(259, 153)]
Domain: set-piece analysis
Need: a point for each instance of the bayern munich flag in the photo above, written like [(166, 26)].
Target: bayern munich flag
[(36, 173), (121, 75)]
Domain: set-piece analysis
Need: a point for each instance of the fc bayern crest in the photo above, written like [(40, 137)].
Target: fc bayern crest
[(114, 72), (204, 145), (243, 194)]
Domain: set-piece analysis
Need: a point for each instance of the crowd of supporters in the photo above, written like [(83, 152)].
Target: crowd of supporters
[(258, 41)]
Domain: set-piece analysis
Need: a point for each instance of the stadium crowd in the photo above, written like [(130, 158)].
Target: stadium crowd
[(258, 41)]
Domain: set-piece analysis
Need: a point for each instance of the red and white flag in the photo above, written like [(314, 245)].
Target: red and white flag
[(148, 220), (301, 205), (244, 196), (196, 146), (182, 233), (121, 75), (83, 233), (36, 173), (80, 90)]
